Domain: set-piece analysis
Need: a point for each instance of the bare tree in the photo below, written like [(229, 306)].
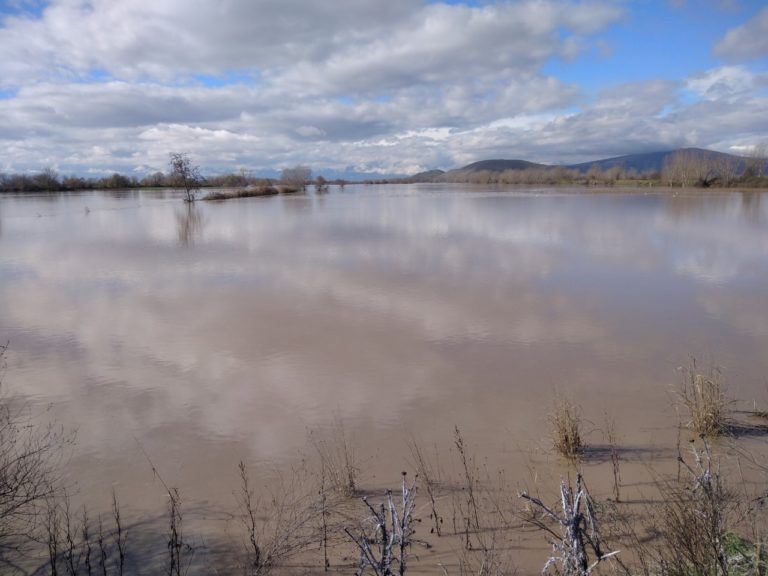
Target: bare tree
[(296, 177), (48, 179), (756, 161), (689, 168), (727, 168), (154, 180), (595, 174), (28, 458), (185, 175)]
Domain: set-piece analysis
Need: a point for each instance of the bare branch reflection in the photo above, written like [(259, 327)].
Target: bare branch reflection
[(750, 206), (189, 225)]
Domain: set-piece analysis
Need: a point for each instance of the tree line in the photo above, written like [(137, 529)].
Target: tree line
[(686, 168), (692, 168), (182, 173), (49, 180)]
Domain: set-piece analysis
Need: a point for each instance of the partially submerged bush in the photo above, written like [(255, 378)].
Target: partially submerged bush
[(281, 526), (250, 192), (695, 520)]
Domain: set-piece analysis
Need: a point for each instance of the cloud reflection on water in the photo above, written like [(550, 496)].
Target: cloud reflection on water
[(250, 321)]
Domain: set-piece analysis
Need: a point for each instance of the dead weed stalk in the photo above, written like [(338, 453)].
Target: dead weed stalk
[(429, 476), (578, 548), (471, 513), (384, 548), (610, 437)]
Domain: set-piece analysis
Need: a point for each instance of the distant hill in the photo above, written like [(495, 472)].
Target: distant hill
[(428, 176), (648, 162), (654, 161), (496, 166), (642, 163)]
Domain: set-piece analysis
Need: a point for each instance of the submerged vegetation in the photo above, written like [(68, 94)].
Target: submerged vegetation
[(264, 190), (310, 519)]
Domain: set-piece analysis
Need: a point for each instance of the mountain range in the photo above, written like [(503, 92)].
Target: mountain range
[(642, 163)]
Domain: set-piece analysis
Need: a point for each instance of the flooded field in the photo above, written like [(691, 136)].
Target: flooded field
[(190, 338)]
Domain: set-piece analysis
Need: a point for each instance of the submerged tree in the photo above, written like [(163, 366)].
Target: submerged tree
[(185, 175), (29, 454)]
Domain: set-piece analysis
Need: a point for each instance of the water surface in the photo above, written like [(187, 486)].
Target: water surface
[(216, 332)]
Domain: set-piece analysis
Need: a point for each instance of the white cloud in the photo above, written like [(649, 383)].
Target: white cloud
[(162, 39), (722, 82), (384, 88), (442, 43), (356, 44), (746, 42)]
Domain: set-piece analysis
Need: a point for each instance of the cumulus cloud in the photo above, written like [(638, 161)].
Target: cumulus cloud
[(165, 39), (722, 82), (357, 44), (746, 42), (452, 42), (368, 86)]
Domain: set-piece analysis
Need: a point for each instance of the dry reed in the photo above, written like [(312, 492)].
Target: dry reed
[(703, 395), (565, 422)]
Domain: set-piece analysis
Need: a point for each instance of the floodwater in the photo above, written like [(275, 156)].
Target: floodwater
[(197, 336)]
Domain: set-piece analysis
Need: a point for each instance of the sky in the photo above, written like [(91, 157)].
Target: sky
[(92, 87)]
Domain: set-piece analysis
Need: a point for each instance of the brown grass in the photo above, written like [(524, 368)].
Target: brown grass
[(565, 423), (703, 395)]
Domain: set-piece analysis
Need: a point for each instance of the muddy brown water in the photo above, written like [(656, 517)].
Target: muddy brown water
[(198, 336)]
